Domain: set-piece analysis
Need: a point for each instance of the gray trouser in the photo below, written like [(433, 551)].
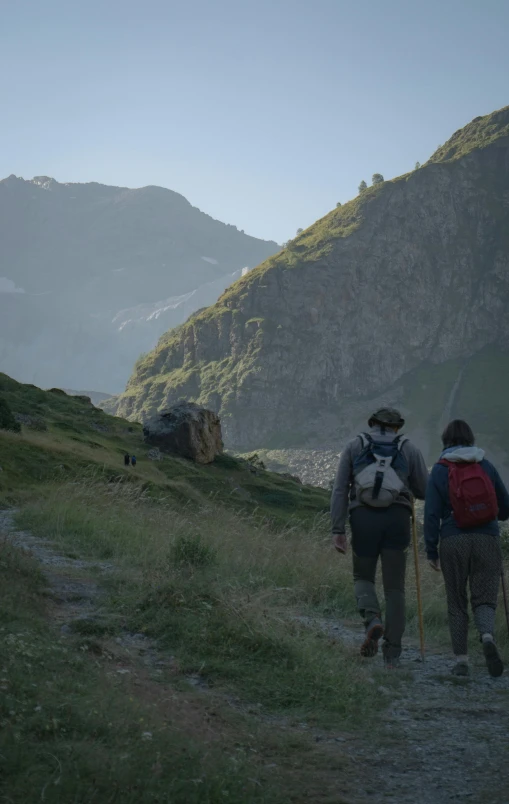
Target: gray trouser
[(385, 534), (474, 558)]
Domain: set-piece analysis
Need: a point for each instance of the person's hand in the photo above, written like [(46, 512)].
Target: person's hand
[(434, 564), (340, 542)]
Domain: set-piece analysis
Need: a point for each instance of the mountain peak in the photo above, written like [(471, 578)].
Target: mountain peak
[(11, 180), (479, 133)]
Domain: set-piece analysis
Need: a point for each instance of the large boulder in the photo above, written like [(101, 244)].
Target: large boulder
[(188, 430)]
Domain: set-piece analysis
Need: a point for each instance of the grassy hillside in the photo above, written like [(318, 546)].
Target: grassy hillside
[(80, 439), (480, 133)]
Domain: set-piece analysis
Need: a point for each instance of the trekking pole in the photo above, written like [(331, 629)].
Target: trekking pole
[(418, 580), (504, 594)]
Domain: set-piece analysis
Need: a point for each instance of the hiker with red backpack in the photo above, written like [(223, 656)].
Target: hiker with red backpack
[(465, 499), (379, 473)]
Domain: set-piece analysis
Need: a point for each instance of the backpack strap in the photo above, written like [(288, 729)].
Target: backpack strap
[(400, 442), (365, 439)]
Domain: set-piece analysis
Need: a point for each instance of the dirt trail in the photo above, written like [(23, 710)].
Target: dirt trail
[(441, 739)]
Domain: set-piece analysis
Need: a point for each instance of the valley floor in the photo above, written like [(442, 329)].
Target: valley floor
[(94, 711)]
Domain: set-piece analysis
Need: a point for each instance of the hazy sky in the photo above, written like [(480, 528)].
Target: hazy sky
[(263, 113)]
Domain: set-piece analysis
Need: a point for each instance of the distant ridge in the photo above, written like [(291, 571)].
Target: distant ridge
[(73, 256)]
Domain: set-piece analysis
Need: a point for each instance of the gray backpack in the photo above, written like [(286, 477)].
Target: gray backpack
[(378, 471)]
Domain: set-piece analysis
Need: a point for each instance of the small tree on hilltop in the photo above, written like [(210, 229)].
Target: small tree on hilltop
[(299, 231), (377, 178), (363, 186), (338, 204), (417, 165)]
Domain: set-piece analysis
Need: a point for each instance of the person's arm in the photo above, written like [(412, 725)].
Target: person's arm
[(417, 472), (341, 493), (502, 496), (432, 518)]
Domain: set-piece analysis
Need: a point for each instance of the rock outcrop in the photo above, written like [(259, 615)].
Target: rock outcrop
[(33, 422), (398, 297), (188, 430)]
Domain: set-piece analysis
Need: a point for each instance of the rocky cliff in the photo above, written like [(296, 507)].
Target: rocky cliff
[(91, 276), (399, 296)]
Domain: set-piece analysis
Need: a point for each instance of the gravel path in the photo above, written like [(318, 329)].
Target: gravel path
[(75, 590), (443, 739)]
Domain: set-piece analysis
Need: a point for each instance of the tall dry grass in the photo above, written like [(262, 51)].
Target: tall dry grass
[(252, 575), (121, 522), (219, 589)]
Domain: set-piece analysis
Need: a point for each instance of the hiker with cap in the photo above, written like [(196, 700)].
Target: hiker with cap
[(464, 501), (378, 473)]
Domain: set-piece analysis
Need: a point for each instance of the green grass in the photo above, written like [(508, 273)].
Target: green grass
[(71, 732), (218, 589), (480, 133)]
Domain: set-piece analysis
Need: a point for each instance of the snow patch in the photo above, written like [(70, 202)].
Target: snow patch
[(46, 182), (211, 260), (8, 286), (149, 312)]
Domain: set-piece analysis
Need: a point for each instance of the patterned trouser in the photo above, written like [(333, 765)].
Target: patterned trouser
[(473, 558)]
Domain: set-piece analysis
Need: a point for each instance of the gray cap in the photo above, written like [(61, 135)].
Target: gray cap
[(388, 416)]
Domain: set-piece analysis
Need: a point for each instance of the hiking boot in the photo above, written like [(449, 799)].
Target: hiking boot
[(493, 661), (391, 656), (461, 669), (374, 632)]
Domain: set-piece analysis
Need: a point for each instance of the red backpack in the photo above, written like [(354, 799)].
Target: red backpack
[(473, 497)]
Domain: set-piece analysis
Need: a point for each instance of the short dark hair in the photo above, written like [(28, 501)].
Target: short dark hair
[(458, 434)]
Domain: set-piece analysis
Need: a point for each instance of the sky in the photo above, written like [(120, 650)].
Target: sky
[(262, 113)]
